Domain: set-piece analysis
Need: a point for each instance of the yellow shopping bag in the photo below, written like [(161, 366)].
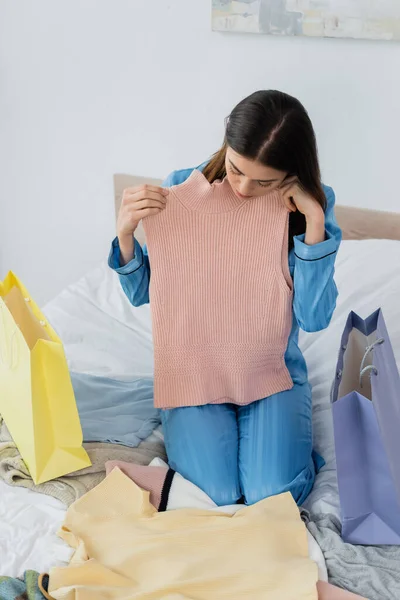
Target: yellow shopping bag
[(37, 400)]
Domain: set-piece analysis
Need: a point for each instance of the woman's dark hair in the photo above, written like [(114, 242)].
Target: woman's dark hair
[(274, 129)]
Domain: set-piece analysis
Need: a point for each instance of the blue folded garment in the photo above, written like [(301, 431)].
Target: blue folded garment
[(120, 412)]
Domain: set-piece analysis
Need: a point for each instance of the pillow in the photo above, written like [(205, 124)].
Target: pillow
[(102, 333)]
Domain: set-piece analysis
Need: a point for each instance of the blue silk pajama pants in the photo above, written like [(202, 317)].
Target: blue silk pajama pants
[(248, 452)]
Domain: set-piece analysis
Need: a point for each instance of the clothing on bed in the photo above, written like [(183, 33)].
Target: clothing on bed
[(110, 410), (327, 591), (177, 492), (151, 479), (71, 487), (251, 554), (221, 322), (373, 572), (31, 587), (253, 451)]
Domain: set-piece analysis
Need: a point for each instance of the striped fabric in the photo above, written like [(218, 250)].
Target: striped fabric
[(221, 321)]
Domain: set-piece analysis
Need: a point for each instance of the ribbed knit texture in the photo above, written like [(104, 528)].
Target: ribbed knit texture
[(222, 314)]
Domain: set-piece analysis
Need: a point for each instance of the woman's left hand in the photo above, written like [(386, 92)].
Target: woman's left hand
[(295, 198)]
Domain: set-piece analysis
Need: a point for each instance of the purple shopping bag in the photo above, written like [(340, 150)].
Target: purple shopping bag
[(366, 418)]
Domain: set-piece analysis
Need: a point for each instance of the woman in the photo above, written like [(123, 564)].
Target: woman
[(247, 453)]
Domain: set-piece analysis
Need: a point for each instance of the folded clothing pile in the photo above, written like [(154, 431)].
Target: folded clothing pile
[(115, 411), (69, 488)]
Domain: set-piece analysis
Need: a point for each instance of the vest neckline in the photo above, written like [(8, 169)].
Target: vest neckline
[(197, 194)]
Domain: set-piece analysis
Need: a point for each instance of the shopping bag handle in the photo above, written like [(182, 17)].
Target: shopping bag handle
[(369, 368)]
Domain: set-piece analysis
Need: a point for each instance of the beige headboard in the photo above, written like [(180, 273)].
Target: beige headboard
[(356, 223)]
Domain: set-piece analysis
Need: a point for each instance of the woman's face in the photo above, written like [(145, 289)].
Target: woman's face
[(249, 178)]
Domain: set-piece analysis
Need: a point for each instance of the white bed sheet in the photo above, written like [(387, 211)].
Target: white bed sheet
[(28, 525), (104, 335)]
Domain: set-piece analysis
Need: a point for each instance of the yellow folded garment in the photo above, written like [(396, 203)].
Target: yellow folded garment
[(126, 550)]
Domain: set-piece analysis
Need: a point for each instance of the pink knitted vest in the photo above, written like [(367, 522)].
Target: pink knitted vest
[(220, 295)]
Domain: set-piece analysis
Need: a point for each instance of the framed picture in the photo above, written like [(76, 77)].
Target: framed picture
[(357, 19)]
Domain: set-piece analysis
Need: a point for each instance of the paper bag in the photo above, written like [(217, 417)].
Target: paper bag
[(37, 401), (366, 415)]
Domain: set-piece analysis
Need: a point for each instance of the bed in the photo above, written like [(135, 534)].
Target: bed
[(104, 335)]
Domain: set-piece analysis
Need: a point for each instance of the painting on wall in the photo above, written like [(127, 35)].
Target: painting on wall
[(360, 19)]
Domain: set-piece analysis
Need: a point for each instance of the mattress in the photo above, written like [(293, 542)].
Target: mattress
[(104, 335)]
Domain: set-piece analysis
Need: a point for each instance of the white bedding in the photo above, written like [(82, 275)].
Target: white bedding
[(28, 525), (104, 335)]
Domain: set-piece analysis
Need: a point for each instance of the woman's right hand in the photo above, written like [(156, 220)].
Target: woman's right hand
[(137, 203)]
